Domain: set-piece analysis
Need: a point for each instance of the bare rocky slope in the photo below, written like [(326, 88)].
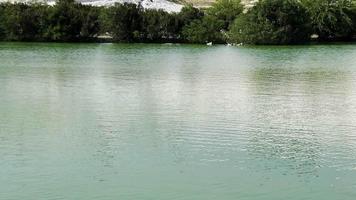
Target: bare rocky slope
[(207, 3), (166, 5)]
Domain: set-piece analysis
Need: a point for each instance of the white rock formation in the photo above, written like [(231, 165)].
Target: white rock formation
[(147, 4)]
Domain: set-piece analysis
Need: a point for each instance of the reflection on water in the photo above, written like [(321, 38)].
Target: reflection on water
[(90, 121)]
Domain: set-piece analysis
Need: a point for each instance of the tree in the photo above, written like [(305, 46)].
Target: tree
[(90, 21), (331, 19), (65, 21), (2, 20), (208, 29), (24, 22), (126, 20), (154, 24), (246, 30), (272, 22), (226, 10), (188, 14)]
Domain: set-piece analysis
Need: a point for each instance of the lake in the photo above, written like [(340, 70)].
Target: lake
[(140, 121)]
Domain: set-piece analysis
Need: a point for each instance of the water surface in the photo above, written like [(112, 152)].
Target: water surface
[(110, 121)]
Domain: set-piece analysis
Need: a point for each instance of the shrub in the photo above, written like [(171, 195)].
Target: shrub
[(126, 19), (226, 10), (331, 19), (272, 22), (207, 29)]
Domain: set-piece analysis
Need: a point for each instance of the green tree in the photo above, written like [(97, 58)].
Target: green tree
[(90, 22), (272, 22), (2, 20), (24, 22), (331, 19), (154, 24), (188, 14), (126, 21), (159, 25), (65, 21), (226, 10), (246, 30), (208, 29), (105, 19)]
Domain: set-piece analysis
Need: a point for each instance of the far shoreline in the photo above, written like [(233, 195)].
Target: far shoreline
[(311, 44)]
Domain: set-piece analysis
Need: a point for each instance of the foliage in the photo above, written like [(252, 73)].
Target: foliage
[(126, 20), (23, 22), (158, 24), (246, 30), (2, 20), (65, 21), (331, 19), (188, 14), (90, 21), (226, 10), (269, 22), (207, 29), (272, 22)]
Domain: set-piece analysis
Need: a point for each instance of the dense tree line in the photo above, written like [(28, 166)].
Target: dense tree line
[(68, 21), (295, 21), (268, 22)]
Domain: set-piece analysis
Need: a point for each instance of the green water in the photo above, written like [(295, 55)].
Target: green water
[(117, 122)]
